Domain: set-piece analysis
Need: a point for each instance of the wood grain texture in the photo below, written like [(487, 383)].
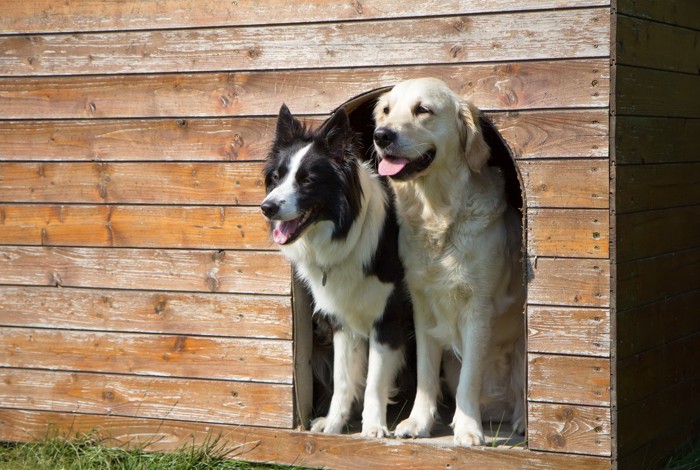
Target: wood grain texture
[(130, 182), (260, 444), (654, 233), (643, 374), (649, 140), (682, 13), (148, 355), (91, 15), (554, 133), (568, 282), (565, 183), (651, 187), (570, 428), (560, 330), (658, 415), (499, 86), (478, 38), (568, 379), (655, 324), (656, 93), (529, 134), (134, 226), (232, 315), (208, 401), (650, 280), (649, 44), (221, 139), (154, 269), (574, 233)]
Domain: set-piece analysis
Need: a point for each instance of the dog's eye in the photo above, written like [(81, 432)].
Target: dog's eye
[(421, 109), (386, 110), (274, 177)]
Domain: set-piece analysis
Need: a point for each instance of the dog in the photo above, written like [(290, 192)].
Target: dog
[(333, 218), (460, 244)]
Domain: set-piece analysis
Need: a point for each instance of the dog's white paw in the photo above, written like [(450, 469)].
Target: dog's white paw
[(468, 436), (326, 425), (375, 430), (412, 428)]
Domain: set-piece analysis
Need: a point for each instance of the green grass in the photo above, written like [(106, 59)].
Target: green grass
[(91, 453), (689, 460)]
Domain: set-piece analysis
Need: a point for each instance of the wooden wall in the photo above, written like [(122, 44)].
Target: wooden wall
[(657, 107), (139, 290)]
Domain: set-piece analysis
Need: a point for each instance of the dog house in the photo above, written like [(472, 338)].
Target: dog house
[(141, 299)]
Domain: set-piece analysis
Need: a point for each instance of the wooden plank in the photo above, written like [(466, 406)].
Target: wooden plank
[(554, 134), (581, 233), (645, 92), (134, 226), (681, 12), (568, 379), (147, 312), (652, 279), (209, 401), (570, 183), (568, 282), (168, 270), (661, 186), (569, 428), (644, 43), (529, 134), (643, 374), (134, 183), (91, 15), (285, 446), (148, 355), (522, 85), (657, 323), (560, 330), (651, 140), (658, 415), (658, 452), (144, 139), (477, 38), (653, 233)]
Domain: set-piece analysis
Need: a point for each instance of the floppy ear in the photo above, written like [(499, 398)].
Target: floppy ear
[(288, 127), (476, 150), (336, 132)]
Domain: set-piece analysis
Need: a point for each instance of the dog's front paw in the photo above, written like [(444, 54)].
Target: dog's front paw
[(412, 428), (326, 425), (375, 430), (468, 436)]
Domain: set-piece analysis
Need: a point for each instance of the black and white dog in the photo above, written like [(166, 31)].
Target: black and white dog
[(333, 219)]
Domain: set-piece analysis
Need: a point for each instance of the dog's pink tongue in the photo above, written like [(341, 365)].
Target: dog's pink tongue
[(281, 233), (391, 167)]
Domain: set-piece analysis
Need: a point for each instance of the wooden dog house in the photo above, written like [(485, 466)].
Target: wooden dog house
[(140, 297)]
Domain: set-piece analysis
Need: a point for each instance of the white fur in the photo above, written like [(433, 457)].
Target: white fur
[(461, 249), (357, 300), (285, 194)]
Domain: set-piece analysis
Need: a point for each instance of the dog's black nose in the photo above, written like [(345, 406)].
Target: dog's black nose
[(383, 137), (269, 208)]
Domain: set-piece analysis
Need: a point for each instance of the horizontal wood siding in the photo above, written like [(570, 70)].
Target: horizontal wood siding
[(657, 234), (140, 291)]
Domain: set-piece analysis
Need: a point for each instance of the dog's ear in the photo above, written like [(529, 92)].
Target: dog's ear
[(476, 150), (288, 127), (336, 132)]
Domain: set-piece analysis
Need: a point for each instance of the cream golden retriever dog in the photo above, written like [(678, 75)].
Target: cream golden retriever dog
[(461, 247)]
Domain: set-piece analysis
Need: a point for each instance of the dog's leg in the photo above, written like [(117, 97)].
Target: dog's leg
[(384, 364), (429, 353), (476, 334), (349, 364), (517, 383)]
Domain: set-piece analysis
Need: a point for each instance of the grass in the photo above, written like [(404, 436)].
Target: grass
[(91, 453), (690, 460)]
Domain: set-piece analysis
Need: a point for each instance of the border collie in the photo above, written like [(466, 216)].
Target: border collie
[(334, 220)]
